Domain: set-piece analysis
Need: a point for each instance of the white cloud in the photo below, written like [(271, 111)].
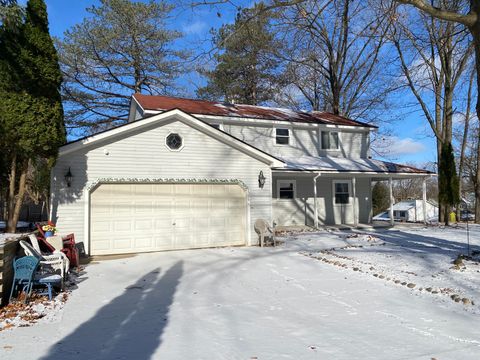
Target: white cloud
[(195, 27), (397, 146)]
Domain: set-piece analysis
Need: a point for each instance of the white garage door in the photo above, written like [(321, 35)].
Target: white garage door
[(131, 218)]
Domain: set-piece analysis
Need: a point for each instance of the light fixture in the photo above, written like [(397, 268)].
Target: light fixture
[(261, 179), (68, 178)]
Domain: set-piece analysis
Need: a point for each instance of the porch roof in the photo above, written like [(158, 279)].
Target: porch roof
[(344, 165)]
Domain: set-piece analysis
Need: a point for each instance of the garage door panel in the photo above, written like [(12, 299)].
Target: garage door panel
[(128, 218), (144, 242)]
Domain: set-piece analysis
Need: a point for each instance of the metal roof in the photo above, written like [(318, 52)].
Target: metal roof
[(204, 107)]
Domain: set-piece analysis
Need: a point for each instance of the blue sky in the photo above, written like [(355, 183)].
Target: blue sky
[(412, 140)]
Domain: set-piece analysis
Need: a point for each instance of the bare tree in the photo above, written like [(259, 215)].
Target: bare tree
[(433, 56), (336, 55), (470, 17)]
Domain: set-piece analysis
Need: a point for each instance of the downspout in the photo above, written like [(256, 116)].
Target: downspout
[(315, 200)]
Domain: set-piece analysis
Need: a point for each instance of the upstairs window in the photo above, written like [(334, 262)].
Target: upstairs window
[(330, 140), (286, 189), (342, 193), (282, 136)]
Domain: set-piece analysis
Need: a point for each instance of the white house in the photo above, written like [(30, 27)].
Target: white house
[(190, 174), (412, 211)]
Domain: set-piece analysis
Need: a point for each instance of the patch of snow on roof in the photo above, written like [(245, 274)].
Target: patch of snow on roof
[(345, 165)]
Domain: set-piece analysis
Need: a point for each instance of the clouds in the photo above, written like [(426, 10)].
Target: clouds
[(194, 28), (396, 146)]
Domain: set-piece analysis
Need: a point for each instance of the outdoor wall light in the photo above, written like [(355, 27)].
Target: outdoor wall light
[(68, 178), (261, 179)]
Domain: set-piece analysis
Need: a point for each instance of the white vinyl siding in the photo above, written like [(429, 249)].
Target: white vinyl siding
[(143, 155), (302, 141)]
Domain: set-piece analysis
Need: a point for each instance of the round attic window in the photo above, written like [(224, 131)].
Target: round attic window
[(174, 141)]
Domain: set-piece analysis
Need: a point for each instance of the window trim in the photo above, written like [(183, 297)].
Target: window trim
[(349, 182), (168, 147), (283, 136), (285, 181), (329, 132)]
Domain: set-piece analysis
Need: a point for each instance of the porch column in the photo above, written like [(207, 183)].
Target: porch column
[(390, 188), (354, 194), (315, 209), (424, 200)]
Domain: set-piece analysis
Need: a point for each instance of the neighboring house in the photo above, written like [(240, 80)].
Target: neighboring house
[(189, 174), (410, 210)]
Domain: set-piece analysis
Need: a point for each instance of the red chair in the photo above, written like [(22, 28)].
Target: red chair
[(69, 246)]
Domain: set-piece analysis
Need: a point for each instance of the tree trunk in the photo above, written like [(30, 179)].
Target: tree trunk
[(12, 179), (475, 30), (466, 127), (16, 192)]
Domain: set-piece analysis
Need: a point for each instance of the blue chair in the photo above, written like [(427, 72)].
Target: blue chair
[(48, 280), (23, 272)]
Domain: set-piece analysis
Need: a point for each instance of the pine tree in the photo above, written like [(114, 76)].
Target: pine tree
[(122, 47), (380, 198), (30, 102), (245, 71), (447, 179)]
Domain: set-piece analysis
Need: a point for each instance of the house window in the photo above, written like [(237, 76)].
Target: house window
[(342, 192), (330, 140), (282, 136), (286, 189), (174, 141)]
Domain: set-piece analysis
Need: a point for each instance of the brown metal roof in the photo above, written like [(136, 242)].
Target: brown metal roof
[(203, 107)]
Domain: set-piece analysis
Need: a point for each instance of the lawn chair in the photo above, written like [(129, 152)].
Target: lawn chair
[(48, 280), (23, 272), (56, 262), (69, 247), (264, 230)]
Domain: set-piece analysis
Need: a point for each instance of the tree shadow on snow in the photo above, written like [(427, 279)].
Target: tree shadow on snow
[(130, 326)]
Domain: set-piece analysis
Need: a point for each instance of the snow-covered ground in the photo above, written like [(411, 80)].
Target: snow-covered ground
[(317, 295)]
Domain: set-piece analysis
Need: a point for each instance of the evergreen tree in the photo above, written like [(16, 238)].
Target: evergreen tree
[(447, 179), (380, 198), (122, 47), (245, 71), (30, 102)]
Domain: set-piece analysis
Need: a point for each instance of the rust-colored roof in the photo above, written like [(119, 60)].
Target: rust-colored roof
[(203, 107)]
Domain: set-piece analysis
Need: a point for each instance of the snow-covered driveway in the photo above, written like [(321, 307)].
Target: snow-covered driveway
[(249, 303)]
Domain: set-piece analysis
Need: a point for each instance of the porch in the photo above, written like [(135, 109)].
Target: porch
[(325, 191)]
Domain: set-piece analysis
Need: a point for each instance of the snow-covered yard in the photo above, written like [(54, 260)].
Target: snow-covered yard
[(335, 295)]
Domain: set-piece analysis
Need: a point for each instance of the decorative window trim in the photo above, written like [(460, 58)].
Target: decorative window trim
[(168, 147), (275, 136), (286, 181), (330, 132), (349, 183), (93, 184)]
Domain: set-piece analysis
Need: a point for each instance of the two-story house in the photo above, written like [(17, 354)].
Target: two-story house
[(188, 173)]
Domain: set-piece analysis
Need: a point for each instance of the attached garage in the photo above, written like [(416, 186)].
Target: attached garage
[(166, 182), (133, 218)]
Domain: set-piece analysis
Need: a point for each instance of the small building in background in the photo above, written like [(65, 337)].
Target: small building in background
[(410, 210)]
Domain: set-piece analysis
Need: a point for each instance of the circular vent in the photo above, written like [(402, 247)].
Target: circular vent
[(174, 141)]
